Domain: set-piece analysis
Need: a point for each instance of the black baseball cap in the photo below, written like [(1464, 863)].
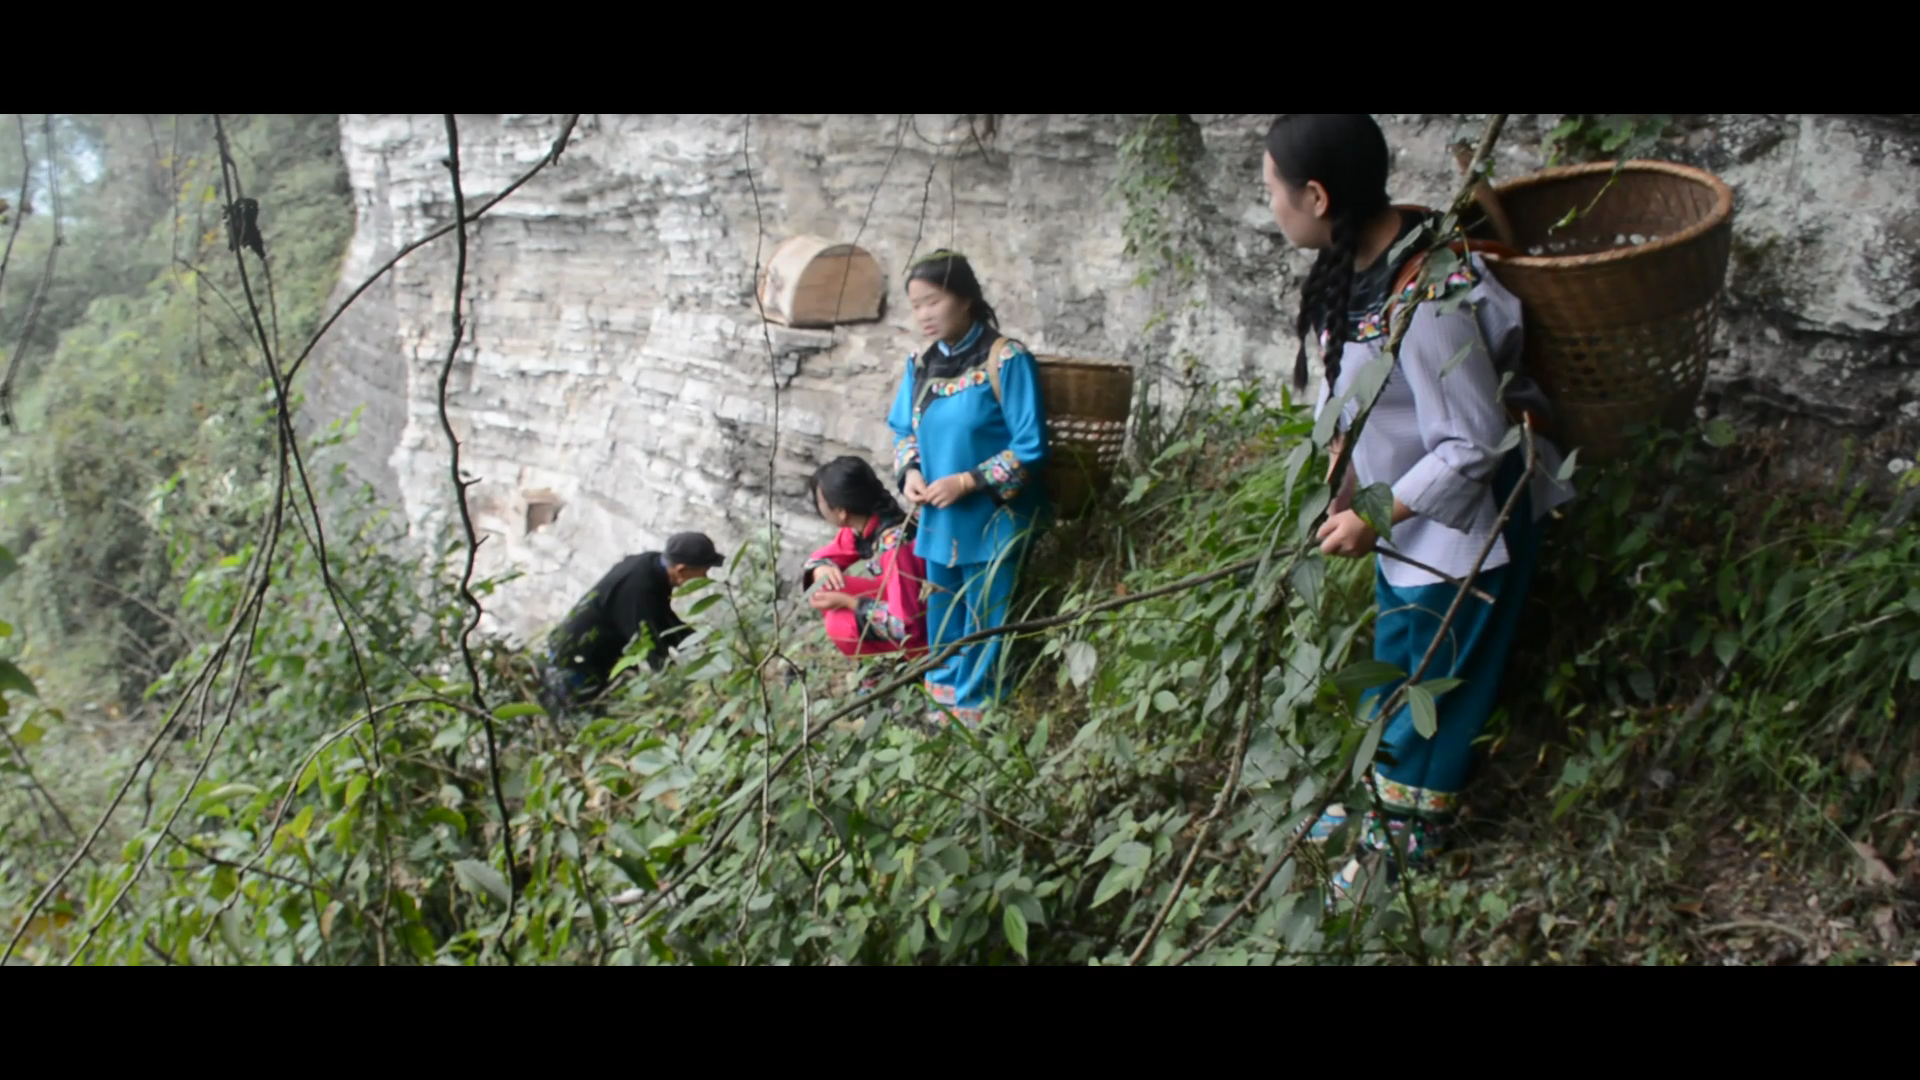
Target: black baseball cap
[(693, 549)]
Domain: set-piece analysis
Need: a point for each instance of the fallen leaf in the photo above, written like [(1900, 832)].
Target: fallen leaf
[(1858, 765), (1872, 870), (1883, 926)]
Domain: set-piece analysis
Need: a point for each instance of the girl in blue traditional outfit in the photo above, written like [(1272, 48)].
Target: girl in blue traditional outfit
[(969, 440), (1433, 437)]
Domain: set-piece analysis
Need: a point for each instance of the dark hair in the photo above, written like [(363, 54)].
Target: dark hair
[(951, 271), (850, 484), (1347, 154)]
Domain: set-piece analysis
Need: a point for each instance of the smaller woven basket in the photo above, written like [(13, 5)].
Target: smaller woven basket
[(1620, 305), (1087, 403)]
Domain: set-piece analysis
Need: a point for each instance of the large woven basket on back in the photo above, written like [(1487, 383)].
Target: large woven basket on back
[(1620, 305), (1087, 404)]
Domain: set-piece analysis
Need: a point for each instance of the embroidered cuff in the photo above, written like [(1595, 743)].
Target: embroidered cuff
[(1003, 476), (806, 572), (906, 455), (873, 615), (1435, 489)]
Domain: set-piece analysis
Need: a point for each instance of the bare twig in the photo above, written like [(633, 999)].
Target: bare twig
[(213, 745), (20, 205), (46, 276), (202, 682), (290, 447), (466, 521), (26, 768), (1757, 924), (553, 155)]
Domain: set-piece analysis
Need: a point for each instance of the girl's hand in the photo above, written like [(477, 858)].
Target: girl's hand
[(916, 487), (825, 601), (1346, 534), (829, 579), (950, 489)]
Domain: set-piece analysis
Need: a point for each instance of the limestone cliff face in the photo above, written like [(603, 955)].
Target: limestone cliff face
[(616, 362)]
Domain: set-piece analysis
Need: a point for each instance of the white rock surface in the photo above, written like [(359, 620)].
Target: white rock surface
[(615, 355)]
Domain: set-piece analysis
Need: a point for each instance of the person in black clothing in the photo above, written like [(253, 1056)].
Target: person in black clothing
[(636, 593)]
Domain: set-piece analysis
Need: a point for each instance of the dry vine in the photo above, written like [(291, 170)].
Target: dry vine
[(259, 567)]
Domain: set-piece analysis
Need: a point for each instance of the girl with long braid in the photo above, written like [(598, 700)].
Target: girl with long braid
[(1433, 437)]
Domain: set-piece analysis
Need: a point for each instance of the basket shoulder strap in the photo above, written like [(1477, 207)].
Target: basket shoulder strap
[(993, 365)]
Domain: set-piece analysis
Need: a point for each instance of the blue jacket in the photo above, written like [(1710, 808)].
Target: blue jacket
[(959, 427)]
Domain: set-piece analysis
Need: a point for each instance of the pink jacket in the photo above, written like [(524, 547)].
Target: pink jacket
[(891, 614)]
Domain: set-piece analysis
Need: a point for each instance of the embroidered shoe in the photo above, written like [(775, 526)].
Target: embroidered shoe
[(1418, 838), (1324, 826), (1367, 878)]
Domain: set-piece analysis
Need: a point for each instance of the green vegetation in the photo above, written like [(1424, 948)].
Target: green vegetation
[(140, 394), (1707, 753)]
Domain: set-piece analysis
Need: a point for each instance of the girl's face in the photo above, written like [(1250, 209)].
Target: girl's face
[(1301, 212), (940, 314), (832, 516)]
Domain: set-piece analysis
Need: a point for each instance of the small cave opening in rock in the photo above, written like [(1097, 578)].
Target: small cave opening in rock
[(543, 508)]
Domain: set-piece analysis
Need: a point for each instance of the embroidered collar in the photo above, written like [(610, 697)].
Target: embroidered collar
[(966, 342)]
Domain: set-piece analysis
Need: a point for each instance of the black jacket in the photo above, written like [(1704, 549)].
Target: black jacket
[(633, 594)]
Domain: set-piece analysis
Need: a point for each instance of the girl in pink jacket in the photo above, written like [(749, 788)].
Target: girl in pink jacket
[(869, 579)]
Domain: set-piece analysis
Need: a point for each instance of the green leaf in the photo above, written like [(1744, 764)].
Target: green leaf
[(230, 932), (1366, 675), (1374, 504), (1437, 687), (1037, 745), (30, 733), (1132, 853), (624, 839), (1913, 666), (356, 787), (478, 875), (1642, 683), (1726, 644), (1118, 878), (1309, 575), (1108, 846), (8, 564), (1454, 361), (1566, 467), (1014, 922), (1369, 747), (1720, 433), (225, 792), (1082, 659), (518, 709), (1426, 715), (12, 678), (1166, 702)]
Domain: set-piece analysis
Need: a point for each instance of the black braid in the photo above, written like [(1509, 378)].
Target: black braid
[(1324, 299)]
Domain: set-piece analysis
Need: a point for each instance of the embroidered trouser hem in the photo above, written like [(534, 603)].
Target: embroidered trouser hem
[(1427, 775), (965, 600)]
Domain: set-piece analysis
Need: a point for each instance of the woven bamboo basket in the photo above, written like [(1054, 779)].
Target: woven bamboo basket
[(1087, 404), (1620, 305)]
